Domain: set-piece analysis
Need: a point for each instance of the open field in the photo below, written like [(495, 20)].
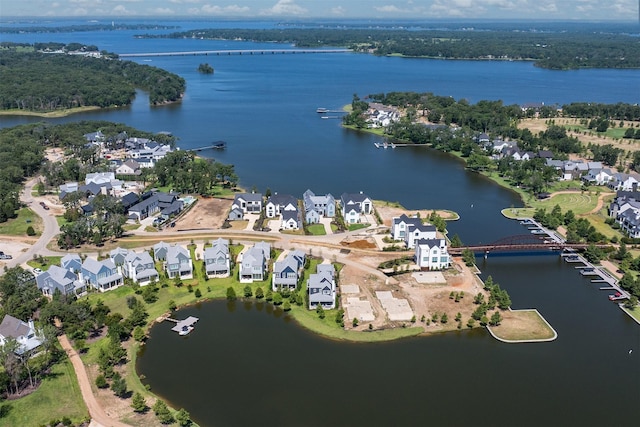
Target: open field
[(523, 326), (581, 203), (58, 396), (49, 114), (18, 226)]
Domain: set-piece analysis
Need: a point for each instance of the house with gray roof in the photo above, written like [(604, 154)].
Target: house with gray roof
[(400, 225), (321, 287), (629, 221), (60, 279), (624, 181), (129, 167), (254, 263), (140, 268), (287, 272), (101, 275), (118, 256), (277, 203), (179, 263), (235, 214), (72, 263), (247, 202), (160, 251), (24, 333), (363, 202), (598, 176), (217, 260), (316, 206)]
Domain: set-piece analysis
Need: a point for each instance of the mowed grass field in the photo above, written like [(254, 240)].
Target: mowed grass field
[(579, 203)]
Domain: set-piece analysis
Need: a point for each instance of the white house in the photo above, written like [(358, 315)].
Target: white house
[(431, 254), (23, 332), (278, 203)]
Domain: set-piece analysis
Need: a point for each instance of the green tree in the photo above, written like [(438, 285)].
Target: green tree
[(162, 412), (269, 295), (471, 322), (286, 306), (496, 319), (248, 292), (138, 403), (468, 257), (320, 311), (277, 298), (231, 294), (456, 242), (444, 318), (172, 305), (183, 418), (197, 293), (119, 385), (101, 381), (259, 293)]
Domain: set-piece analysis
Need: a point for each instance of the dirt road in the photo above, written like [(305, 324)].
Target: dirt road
[(98, 415)]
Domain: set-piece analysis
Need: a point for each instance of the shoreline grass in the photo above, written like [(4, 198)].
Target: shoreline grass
[(49, 114), (520, 326)]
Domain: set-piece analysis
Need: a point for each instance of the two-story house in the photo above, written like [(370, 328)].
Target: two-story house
[(278, 203), (178, 263), (321, 287), (60, 279), (140, 268), (363, 203), (24, 333), (254, 263), (316, 207), (101, 275), (217, 260), (160, 250), (286, 273), (411, 229), (247, 202), (431, 254)]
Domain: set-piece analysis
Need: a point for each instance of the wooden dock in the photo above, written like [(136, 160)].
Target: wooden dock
[(183, 327)]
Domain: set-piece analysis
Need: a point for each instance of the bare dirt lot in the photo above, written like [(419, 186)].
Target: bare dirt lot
[(388, 212), (207, 213)]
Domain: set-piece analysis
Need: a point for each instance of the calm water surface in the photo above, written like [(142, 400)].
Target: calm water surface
[(251, 366)]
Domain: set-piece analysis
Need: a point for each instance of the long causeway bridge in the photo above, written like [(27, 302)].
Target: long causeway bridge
[(235, 52), (523, 242)]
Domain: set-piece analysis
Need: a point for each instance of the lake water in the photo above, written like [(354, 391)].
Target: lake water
[(250, 367)]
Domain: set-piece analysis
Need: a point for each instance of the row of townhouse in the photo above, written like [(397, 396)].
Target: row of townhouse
[(625, 208), (314, 207), (430, 251)]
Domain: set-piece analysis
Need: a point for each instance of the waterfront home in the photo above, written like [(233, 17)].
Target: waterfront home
[(411, 229), (24, 333), (60, 279), (165, 203), (380, 115), (160, 251), (290, 220), (247, 202), (72, 263), (178, 263), (216, 259), (316, 207), (624, 181), (118, 256), (431, 254), (287, 272), (624, 200), (99, 178), (101, 275), (277, 203), (321, 287), (364, 204), (351, 214), (140, 268), (254, 262)]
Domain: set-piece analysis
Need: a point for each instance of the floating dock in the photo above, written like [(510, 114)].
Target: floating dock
[(183, 327)]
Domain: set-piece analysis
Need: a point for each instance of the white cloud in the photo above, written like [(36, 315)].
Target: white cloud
[(209, 9), (389, 9), (162, 11), (285, 7), (339, 11), (184, 1), (120, 10)]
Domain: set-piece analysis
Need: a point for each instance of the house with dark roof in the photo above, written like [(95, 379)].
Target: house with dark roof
[(217, 260), (411, 229), (629, 221), (432, 254), (247, 202), (24, 333), (290, 220), (624, 181), (277, 203), (321, 287), (363, 202)]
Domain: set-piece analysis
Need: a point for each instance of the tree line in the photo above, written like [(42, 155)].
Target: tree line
[(558, 50), (35, 81)]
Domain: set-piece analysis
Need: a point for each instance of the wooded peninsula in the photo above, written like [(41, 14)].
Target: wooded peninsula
[(552, 48), (53, 76)]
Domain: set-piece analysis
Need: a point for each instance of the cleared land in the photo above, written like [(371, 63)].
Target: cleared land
[(207, 213)]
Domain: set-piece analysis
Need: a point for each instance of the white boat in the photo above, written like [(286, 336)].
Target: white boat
[(376, 144)]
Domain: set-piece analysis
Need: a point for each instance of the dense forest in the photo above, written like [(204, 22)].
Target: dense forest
[(42, 82), (554, 50)]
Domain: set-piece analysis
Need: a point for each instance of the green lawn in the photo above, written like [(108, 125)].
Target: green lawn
[(635, 312), (18, 226), (612, 132), (354, 227), (317, 229), (48, 262), (58, 396), (579, 203)]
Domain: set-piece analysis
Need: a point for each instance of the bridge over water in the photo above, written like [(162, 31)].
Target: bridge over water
[(523, 242), (235, 52)]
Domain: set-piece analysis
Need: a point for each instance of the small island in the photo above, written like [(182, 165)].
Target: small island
[(205, 68)]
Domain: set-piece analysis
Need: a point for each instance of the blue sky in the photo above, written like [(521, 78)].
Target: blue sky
[(381, 9)]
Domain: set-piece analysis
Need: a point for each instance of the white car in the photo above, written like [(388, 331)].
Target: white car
[(37, 271)]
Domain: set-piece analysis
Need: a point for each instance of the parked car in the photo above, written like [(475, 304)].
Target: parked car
[(46, 208), (37, 271), (5, 256)]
